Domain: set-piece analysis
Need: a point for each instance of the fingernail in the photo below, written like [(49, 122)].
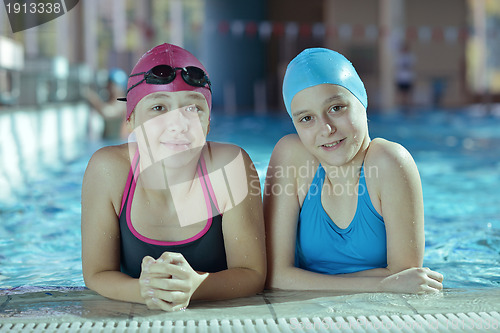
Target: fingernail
[(155, 300), (182, 308), (151, 293), (146, 281)]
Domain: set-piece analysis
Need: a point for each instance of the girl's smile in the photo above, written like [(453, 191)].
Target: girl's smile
[(332, 145)]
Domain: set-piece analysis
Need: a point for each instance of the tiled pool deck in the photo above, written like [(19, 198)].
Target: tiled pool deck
[(59, 306)]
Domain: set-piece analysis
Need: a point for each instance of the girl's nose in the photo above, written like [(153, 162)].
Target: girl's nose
[(328, 129), (178, 122)]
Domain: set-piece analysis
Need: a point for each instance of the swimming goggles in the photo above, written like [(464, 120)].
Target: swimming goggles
[(165, 74)]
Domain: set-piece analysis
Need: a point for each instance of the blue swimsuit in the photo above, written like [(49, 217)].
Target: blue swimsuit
[(323, 247)]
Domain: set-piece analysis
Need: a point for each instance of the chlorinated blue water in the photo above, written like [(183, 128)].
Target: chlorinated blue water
[(457, 156)]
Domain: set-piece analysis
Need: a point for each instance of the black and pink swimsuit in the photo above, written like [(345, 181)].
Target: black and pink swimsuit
[(205, 251)]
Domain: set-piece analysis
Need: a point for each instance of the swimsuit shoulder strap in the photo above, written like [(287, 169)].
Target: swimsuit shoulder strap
[(317, 183), (206, 184), (364, 200), (130, 178)]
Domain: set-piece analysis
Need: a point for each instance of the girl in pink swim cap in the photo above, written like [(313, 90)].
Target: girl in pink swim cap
[(168, 217)]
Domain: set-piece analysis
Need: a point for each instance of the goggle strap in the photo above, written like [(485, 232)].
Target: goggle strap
[(183, 72), (135, 85), (136, 74)]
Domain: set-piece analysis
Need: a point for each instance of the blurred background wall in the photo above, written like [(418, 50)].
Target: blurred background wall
[(246, 45)]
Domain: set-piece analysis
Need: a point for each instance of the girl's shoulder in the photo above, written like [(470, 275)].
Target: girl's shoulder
[(107, 172), (110, 161), (230, 171), (293, 163), (219, 155), (291, 151), (111, 155), (389, 158)]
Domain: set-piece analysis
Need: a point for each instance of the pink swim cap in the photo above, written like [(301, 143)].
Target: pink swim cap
[(164, 54)]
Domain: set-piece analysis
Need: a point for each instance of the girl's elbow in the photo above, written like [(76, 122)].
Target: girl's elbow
[(271, 284), (260, 285), (91, 280), (275, 284), (274, 280), (260, 281)]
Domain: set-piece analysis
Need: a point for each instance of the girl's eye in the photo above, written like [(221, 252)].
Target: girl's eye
[(158, 108), (336, 108), (305, 119), (192, 108)]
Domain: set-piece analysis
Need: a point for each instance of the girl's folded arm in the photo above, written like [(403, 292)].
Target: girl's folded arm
[(401, 202), (101, 235), (281, 216), (244, 240), (281, 211)]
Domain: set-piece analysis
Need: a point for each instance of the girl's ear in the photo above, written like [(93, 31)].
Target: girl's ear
[(130, 122)]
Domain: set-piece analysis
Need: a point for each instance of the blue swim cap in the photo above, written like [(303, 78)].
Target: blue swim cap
[(317, 66), (119, 77)]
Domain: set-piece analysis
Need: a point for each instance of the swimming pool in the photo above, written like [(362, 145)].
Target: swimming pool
[(456, 152)]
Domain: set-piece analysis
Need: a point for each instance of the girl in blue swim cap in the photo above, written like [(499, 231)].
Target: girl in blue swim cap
[(343, 212)]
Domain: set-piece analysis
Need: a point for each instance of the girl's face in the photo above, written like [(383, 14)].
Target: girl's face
[(331, 123), (170, 127)]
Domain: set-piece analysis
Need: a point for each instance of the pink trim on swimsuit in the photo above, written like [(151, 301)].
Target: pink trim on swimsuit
[(166, 243), (132, 172), (209, 184)]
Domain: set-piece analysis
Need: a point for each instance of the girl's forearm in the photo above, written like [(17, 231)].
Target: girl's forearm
[(116, 285), (293, 278), (375, 272), (230, 283)]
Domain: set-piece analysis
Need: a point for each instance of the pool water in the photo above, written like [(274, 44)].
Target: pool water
[(456, 153)]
